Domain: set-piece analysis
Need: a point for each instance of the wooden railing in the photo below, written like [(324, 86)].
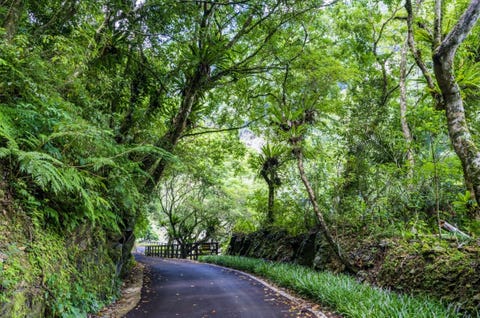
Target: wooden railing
[(191, 250)]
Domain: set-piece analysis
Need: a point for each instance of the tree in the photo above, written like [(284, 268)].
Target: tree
[(268, 162), (190, 210), (212, 46), (407, 133), (443, 65), (294, 114), (450, 98), (295, 124), (192, 202)]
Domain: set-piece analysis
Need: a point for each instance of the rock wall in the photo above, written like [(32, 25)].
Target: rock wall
[(309, 249), (45, 274), (445, 270), (48, 272)]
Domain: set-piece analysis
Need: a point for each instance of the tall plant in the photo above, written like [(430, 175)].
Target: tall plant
[(268, 162)]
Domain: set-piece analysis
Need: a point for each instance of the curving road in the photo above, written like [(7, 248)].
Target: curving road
[(180, 288)]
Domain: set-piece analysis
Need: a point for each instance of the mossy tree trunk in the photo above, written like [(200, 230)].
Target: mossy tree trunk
[(458, 129), (449, 98)]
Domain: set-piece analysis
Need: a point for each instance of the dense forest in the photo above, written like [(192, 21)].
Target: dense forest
[(359, 119)]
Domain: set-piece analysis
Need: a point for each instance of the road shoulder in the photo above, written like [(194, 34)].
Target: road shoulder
[(130, 295)]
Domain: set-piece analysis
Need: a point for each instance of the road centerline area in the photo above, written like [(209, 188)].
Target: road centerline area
[(179, 288)]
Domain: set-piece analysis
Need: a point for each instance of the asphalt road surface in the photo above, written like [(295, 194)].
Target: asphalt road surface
[(179, 288)]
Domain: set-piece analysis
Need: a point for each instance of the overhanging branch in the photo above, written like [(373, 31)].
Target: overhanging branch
[(219, 130)]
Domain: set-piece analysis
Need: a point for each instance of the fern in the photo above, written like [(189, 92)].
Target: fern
[(7, 132), (44, 170), (468, 76), (52, 176), (5, 152)]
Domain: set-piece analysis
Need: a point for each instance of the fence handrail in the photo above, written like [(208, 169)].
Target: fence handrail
[(176, 250)]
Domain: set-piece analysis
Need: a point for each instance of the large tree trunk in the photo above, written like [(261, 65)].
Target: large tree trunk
[(191, 95), (443, 58), (196, 84), (321, 221)]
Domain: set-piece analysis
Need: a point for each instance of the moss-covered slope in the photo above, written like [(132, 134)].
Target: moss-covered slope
[(443, 269), (48, 272)]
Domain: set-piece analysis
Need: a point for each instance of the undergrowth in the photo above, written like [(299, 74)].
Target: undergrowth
[(340, 292)]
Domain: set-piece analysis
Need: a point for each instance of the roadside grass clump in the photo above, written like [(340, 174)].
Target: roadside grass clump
[(340, 292)]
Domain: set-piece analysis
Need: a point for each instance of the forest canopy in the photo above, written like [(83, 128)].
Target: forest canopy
[(364, 115)]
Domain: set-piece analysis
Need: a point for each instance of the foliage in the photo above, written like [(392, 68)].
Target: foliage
[(193, 201), (340, 292), (105, 104), (185, 209)]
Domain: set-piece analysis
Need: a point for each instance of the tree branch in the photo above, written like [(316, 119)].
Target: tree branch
[(418, 58), (210, 131), (459, 32), (437, 24)]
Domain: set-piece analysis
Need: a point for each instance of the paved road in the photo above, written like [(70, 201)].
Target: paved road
[(178, 288)]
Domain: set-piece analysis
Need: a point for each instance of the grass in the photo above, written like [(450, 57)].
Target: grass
[(340, 292)]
